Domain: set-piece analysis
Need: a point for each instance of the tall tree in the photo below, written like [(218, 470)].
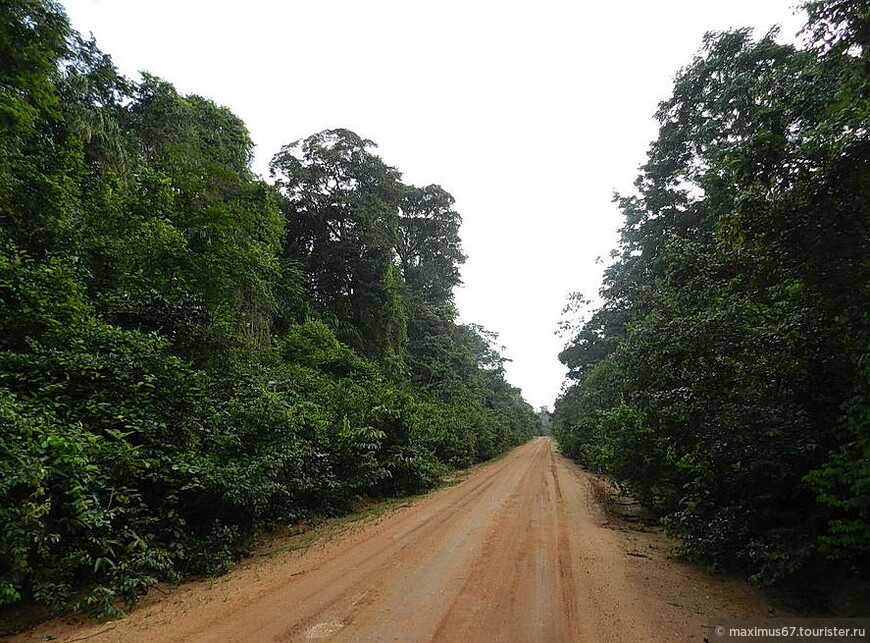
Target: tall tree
[(428, 245), (197, 258), (339, 201), (739, 300), (168, 384)]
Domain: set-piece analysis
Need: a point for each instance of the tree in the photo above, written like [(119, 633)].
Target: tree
[(205, 233), (733, 315), (428, 246), (181, 362), (339, 202)]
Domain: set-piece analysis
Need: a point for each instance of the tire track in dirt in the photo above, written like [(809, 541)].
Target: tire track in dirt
[(355, 579), (519, 551)]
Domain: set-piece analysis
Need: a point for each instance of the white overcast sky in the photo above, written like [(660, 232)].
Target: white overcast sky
[(529, 113)]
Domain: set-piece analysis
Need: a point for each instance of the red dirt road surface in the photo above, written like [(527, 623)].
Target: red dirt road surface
[(521, 550)]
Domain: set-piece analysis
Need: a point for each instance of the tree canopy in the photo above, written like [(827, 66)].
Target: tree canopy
[(190, 353), (724, 378)]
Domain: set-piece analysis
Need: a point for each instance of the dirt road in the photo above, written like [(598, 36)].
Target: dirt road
[(519, 551)]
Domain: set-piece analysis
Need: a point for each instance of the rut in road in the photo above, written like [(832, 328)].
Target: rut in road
[(516, 552)]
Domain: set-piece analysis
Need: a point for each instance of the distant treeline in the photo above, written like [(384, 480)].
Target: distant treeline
[(189, 353), (726, 377)]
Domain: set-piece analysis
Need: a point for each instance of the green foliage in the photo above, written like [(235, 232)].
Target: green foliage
[(724, 379), (189, 354), (428, 247), (339, 204), (32, 39)]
